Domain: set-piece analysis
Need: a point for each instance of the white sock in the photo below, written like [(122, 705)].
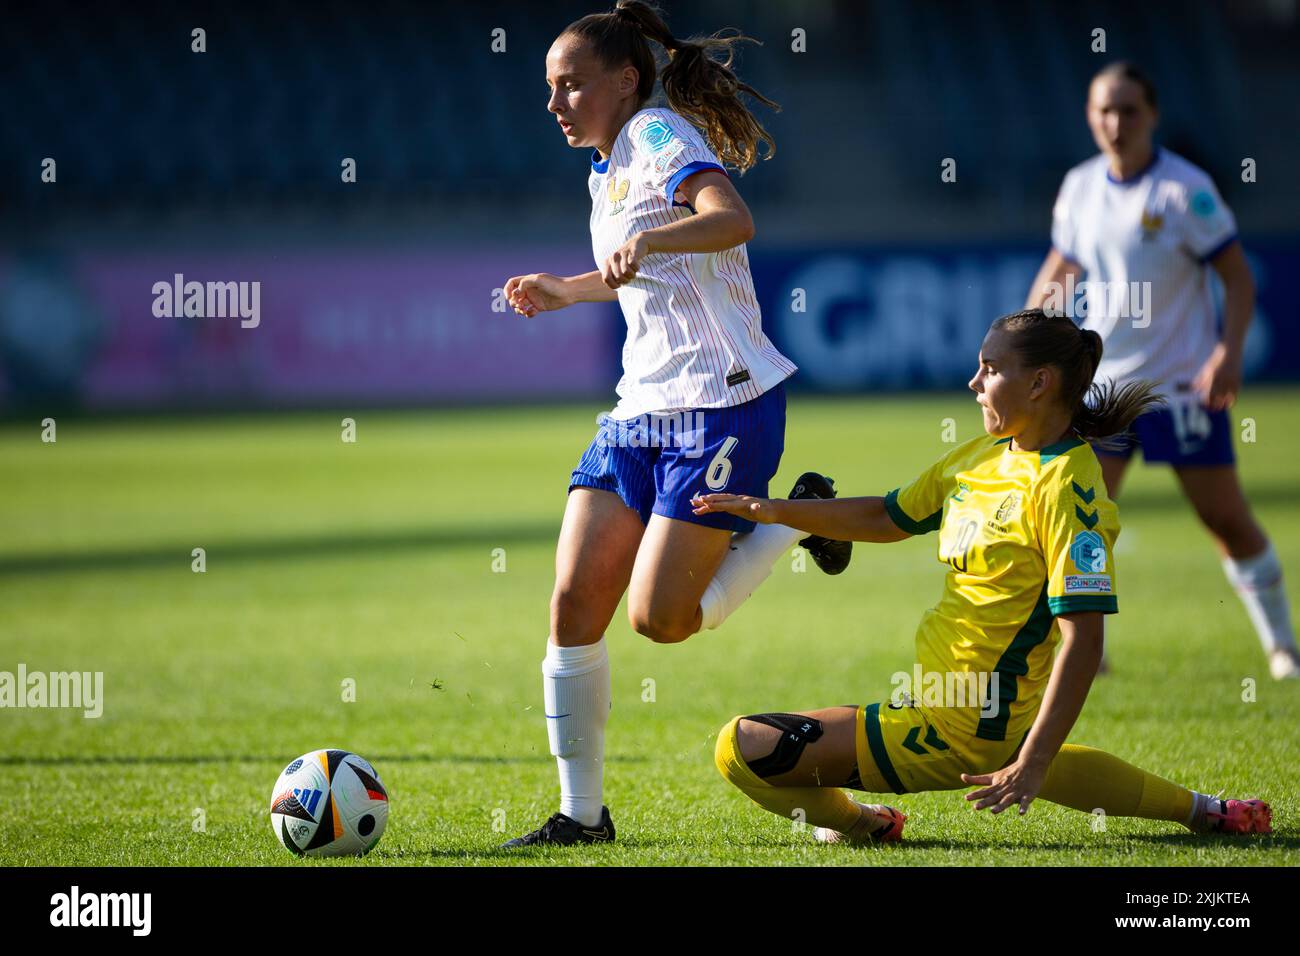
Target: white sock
[(747, 565), (1258, 582), (1202, 803), (575, 682)]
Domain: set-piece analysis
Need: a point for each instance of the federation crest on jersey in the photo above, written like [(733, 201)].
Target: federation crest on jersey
[(656, 135), (1152, 223), (1088, 552), (1203, 204), (617, 192)]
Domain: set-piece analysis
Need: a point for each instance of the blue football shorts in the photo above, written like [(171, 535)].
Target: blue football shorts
[(1183, 432), (656, 463)]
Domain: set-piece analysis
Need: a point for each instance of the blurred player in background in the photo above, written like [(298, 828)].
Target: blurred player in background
[(668, 232), (1138, 213), (1027, 533)]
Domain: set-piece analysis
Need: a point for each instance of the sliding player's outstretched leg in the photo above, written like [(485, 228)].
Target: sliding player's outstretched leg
[(795, 764), (1087, 779)]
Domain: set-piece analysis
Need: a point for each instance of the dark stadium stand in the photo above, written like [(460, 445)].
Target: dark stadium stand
[(887, 89)]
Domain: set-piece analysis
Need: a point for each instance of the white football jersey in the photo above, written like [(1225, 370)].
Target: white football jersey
[(1160, 228), (694, 332)]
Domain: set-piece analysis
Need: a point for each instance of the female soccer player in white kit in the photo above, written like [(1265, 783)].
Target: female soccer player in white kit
[(668, 232), (1140, 214)]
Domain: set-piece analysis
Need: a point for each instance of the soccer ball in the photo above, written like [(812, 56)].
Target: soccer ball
[(329, 803)]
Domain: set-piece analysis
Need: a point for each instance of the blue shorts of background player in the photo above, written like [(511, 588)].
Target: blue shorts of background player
[(657, 463), (1181, 433)]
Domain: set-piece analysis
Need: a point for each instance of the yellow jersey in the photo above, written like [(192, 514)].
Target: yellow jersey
[(1025, 536)]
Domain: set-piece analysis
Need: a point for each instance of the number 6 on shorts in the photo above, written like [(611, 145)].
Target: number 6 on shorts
[(720, 468)]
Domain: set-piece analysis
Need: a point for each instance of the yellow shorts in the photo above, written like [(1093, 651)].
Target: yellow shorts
[(906, 749)]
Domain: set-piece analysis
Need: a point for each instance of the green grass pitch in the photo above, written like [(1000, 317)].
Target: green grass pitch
[(374, 562)]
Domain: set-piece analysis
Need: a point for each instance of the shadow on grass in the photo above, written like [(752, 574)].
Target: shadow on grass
[(990, 850), (296, 548), (533, 855), (350, 544), (495, 854), (94, 760), (978, 854), (1272, 841)]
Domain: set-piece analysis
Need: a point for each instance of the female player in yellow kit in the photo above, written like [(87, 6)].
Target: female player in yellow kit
[(1027, 532)]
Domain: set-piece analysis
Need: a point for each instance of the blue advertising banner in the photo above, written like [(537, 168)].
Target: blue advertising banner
[(899, 319), (426, 325)]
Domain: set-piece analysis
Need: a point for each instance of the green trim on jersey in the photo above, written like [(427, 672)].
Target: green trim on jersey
[(876, 741), (1106, 603), (1014, 663), (905, 521), (1059, 448)]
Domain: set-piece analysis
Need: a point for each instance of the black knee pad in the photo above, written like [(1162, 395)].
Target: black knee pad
[(797, 732)]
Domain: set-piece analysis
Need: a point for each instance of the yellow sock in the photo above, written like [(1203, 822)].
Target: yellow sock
[(1087, 779), (822, 806)]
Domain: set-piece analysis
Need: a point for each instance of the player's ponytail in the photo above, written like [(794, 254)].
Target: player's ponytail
[(697, 80), (1101, 412)]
